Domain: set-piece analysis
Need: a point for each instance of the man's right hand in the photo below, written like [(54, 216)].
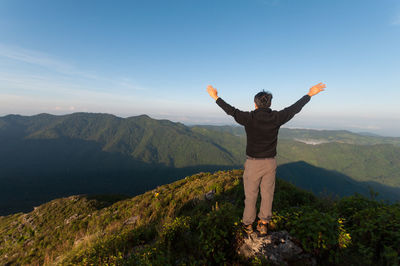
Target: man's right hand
[(213, 92), (316, 89)]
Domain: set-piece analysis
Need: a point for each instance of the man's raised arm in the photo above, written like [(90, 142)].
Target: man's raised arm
[(240, 116), (286, 114)]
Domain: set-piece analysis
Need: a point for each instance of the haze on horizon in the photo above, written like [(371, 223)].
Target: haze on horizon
[(157, 57)]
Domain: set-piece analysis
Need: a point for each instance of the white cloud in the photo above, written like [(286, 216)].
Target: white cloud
[(34, 82), (41, 59), (66, 71)]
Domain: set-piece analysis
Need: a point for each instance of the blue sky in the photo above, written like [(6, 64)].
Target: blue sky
[(157, 57)]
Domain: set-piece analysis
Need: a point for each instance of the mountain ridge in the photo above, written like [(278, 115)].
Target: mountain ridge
[(49, 156)]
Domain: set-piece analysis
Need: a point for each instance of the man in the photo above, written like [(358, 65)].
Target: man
[(262, 126)]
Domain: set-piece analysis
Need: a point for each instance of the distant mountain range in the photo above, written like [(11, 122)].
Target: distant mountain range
[(43, 157), (313, 136)]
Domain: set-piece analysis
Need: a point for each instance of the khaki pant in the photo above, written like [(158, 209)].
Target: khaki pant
[(258, 173)]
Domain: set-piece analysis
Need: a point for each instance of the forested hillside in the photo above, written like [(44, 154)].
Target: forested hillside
[(44, 157)]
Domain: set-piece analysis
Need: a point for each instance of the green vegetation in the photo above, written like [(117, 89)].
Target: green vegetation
[(366, 163), (140, 137), (47, 157), (175, 224), (44, 157)]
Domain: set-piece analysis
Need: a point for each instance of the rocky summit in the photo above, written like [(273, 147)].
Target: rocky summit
[(277, 248)]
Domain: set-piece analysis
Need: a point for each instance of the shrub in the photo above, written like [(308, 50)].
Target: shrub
[(218, 232), (321, 233), (348, 206), (317, 231), (176, 234), (376, 234), (111, 249)]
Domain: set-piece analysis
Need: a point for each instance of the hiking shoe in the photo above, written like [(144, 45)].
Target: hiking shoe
[(248, 229), (262, 227)]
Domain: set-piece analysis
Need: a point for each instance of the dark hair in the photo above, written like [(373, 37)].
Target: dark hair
[(263, 99)]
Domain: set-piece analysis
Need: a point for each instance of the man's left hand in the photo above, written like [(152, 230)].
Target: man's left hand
[(316, 89)]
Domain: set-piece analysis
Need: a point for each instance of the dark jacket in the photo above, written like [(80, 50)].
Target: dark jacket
[(262, 126)]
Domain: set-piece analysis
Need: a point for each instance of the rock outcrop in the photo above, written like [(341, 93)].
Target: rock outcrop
[(276, 248)]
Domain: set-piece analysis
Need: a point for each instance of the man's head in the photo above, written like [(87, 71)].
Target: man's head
[(263, 99)]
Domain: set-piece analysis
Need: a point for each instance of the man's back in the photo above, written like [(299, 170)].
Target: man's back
[(262, 126), (262, 133)]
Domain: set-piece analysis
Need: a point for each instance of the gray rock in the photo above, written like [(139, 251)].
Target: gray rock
[(132, 220), (71, 218), (276, 248), (210, 195)]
